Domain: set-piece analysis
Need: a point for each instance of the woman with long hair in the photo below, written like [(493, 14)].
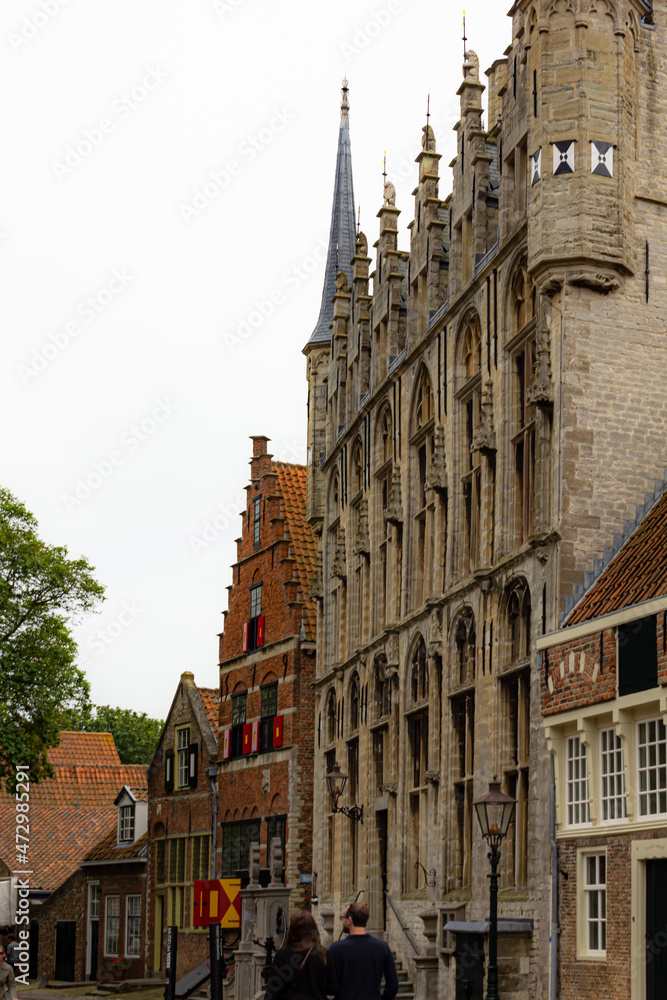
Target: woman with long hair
[(300, 970)]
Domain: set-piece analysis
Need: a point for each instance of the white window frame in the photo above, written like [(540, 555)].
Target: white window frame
[(126, 821), (644, 772), (578, 809), (588, 894), (183, 757), (256, 601), (111, 903), (131, 903), (615, 801)]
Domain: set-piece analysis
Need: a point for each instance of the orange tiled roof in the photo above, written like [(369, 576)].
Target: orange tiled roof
[(106, 849), (638, 572), (292, 486), (70, 812), (211, 700)]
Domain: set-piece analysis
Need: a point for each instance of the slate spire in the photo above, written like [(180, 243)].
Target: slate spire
[(342, 231)]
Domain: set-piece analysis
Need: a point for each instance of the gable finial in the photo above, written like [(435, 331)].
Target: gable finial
[(464, 33), (344, 104)]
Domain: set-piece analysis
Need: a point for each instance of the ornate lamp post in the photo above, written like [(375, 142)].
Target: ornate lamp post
[(494, 812), (336, 782)]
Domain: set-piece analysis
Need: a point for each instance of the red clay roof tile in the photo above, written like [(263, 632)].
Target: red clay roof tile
[(638, 572), (292, 487)]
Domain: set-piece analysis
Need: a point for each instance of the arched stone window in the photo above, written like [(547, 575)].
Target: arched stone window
[(356, 468), (331, 716), (383, 459), (354, 702), (522, 316), (465, 640), (417, 763), (469, 388), (422, 452), (515, 725)]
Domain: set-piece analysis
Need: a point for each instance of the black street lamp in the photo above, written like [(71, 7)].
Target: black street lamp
[(494, 812), (336, 782)]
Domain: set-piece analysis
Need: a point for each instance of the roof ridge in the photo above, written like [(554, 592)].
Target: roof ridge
[(610, 552)]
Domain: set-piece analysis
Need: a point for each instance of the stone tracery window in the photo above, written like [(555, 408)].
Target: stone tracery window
[(423, 446), (469, 397), (465, 642), (383, 482), (356, 468), (354, 702), (417, 763), (522, 308), (331, 716)]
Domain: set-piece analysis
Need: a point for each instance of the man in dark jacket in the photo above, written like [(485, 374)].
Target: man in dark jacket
[(361, 961)]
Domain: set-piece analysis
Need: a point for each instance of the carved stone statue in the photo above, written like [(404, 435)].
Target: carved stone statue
[(341, 282), (389, 193), (361, 245), (428, 139), (471, 66)]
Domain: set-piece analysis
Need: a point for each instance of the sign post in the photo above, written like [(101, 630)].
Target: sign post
[(217, 963), (172, 952)]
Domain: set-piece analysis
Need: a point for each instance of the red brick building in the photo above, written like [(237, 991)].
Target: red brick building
[(181, 797), (604, 702), (267, 660), (69, 814), (96, 918)]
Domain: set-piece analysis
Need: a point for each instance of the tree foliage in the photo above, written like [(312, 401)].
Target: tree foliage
[(134, 733), (42, 592)]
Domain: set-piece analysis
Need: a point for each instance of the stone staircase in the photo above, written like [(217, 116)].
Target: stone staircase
[(406, 990)]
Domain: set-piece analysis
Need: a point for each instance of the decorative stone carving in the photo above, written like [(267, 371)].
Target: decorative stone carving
[(471, 66), (339, 565), (551, 283), (391, 650), (597, 281), (432, 777), (253, 864), (361, 245), (540, 390), (390, 788), (437, 473), (362, 542), (394, 509), (317, 585), (428, 139), (341, 283), (276, 861), (389, 194), (485, 439)]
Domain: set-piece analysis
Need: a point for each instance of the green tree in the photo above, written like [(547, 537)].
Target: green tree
[(134, 733), (42, 592)]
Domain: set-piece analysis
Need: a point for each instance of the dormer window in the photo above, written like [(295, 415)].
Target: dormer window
[(126, 824)]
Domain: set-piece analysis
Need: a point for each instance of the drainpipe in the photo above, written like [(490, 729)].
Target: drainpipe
[(554, 878), (212, 774)]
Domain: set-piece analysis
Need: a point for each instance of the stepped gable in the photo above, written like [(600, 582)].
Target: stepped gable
[(292, 486), (72, 811), (638, 571)]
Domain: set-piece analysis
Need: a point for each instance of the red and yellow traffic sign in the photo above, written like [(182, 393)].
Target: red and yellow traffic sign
[(217, 901)]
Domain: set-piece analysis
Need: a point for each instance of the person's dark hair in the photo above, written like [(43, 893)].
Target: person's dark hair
[(10, 938), (358, 914), (302, 934)]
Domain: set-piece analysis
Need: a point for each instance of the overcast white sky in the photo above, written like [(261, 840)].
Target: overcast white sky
[(137, 360)]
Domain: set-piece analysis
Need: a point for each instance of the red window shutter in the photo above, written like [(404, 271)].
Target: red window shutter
[(226, 744), (201, 894), (255, 737), (260, 630), (278, 730), (245, 637), (247, 738)]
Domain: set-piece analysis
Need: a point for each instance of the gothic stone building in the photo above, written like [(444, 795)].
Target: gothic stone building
[(267, 663), (485, 409)]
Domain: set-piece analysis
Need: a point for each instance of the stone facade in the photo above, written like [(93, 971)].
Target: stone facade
[(267, 656), (482, 421)]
